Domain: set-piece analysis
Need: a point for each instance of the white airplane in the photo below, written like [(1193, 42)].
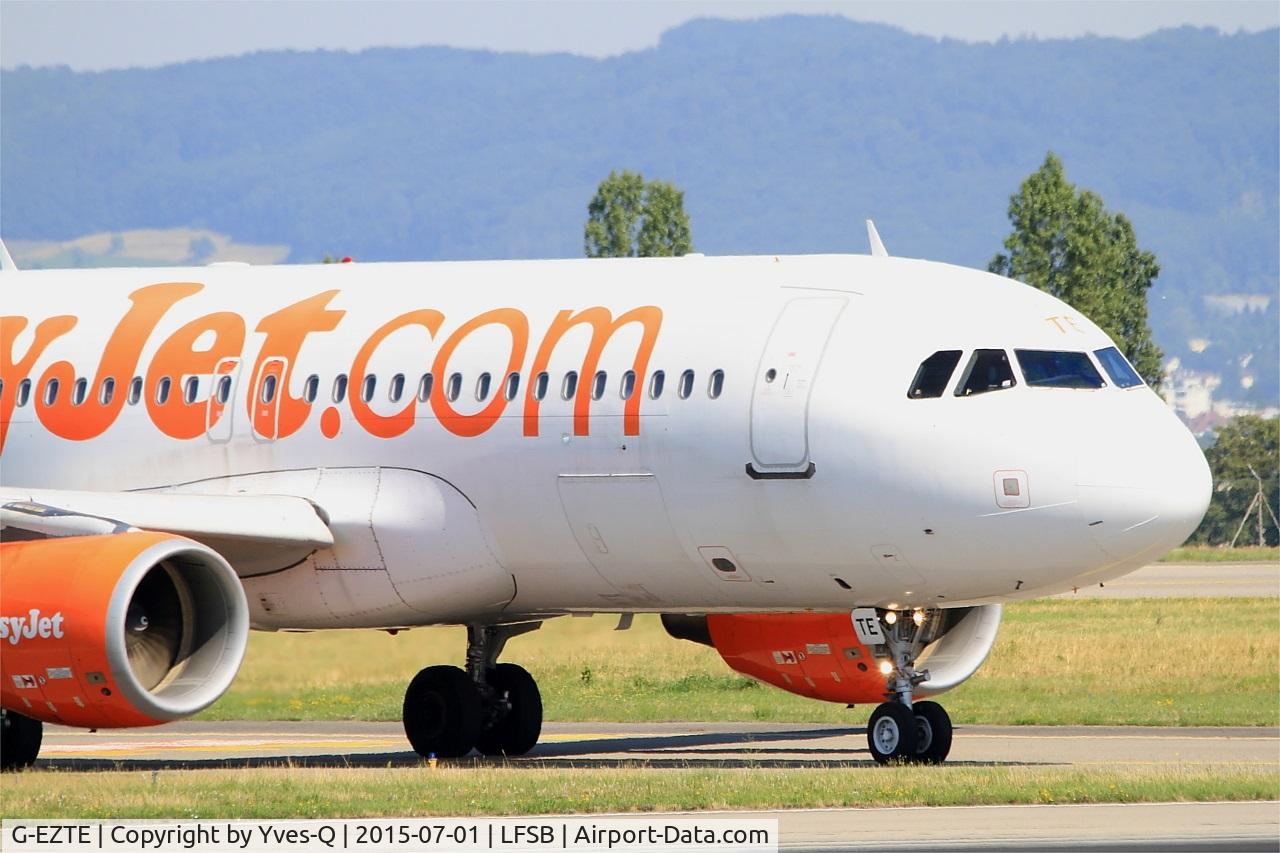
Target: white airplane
[(833, 469)]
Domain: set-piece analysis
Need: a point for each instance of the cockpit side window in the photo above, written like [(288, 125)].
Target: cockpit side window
[(933, 374), (1050, 369), (1118, 368), (988, 370)]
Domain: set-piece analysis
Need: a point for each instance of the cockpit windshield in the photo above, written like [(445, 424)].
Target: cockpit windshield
[(1118, 368), (934, 374), (988, 370), (1050, 369)]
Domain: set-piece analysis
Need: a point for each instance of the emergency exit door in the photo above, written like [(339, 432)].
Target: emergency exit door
[(780, 398)]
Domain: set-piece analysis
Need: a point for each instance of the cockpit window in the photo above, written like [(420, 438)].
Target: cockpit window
[(1049, 369), (988, 370), (1118, 368), (934, 374)]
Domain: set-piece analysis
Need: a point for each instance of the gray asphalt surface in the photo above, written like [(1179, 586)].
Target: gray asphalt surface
[(239, 744), (1191, 580)]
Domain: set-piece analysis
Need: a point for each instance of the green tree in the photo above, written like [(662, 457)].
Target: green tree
[(630, 218), (1246, 445), (1066, 243)]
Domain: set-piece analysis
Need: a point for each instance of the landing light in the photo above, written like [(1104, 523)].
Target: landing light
[(885, 667), (890, 618), (917, 617)]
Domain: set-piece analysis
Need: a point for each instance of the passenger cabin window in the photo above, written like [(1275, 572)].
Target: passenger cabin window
[(367, 388), (223, 394), (933, 374), (540, 386), (24, 392), (310, 389), (189, 390), (79, 391), (162, 390), (686, 385), (396, 390), (1051, 369), (570, 385), (656, 381), (598, 384), (50, 392), (512, 387), (339, 387), (1118, 368), (628, 385), (269, 387), (424, 387), (988, 370), (107, 391), (454, 388), (483, 384), (716, 386), (135, 390)]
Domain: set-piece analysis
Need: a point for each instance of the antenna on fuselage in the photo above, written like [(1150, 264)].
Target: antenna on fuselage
[(6, 262), (873, 237)]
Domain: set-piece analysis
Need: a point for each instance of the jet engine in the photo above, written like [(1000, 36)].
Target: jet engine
[(126, 629), (819, 655)]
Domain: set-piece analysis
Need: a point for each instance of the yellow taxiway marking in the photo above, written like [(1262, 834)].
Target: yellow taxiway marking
[(87, 750), (139, 745)]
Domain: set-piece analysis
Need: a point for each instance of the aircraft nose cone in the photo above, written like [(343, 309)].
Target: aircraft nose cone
[(1144, 498)]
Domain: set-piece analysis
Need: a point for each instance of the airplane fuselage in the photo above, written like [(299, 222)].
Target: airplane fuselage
[(781, 467)]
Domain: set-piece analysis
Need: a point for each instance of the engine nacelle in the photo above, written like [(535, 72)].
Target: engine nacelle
[(818, 655), (128, 629)]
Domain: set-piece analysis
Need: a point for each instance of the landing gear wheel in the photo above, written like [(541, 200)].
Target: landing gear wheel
[(442, 712), (933, 732), (517, 726), (892, 733), (19, 740)]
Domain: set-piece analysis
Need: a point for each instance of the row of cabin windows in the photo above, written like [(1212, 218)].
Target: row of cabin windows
[(991, 370), (510, 387), (395, 390)]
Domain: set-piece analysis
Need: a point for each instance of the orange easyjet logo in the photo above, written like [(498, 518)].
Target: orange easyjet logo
[(221, 340)]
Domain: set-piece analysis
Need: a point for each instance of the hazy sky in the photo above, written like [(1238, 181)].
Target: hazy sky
[(121, 33)]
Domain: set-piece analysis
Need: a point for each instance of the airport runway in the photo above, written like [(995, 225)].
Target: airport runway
[(1191, 580), (1136, 828), (1133, 828), (240, 744)]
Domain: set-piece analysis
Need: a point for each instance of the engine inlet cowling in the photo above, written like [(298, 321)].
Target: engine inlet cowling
[(116, 630)]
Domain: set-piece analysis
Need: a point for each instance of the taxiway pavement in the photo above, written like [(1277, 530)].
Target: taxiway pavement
[(336, 744), (1190, 580)]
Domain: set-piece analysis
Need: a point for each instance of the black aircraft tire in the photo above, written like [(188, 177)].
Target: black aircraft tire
[(892, 733), (933, 735), (516, 732), (20, 738), (442, 712)]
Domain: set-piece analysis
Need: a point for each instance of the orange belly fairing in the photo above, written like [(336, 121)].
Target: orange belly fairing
[(817, 655)]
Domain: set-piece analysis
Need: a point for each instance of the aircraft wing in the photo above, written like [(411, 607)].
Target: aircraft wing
[(254, 533)]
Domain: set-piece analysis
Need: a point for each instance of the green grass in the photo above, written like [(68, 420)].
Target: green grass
[(409, 792), (1167, 662), (1221, 554)]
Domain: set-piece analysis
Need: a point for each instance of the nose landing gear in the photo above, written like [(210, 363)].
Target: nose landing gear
[(901, 730), (493, 707)]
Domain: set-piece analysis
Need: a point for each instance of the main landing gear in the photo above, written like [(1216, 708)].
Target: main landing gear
[(493, 707), (19, 740), (901, 730)]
